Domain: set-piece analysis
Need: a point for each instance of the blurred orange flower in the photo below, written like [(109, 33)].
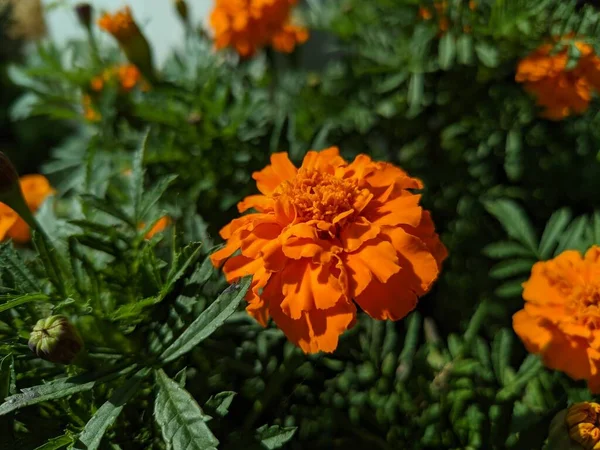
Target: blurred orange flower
[(326, 235), (120, 24), (248, 25), (89, 112), (127, 75), (158, 227), (440, 10), (560, 91), (36, 189), (561, 317)]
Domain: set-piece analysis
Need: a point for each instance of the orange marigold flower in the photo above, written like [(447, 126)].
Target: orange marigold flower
[(129, 77), (89, 111), (440, 9), (561, 92), (425, 13), (120, 24), (158, 227), (248, 25), (97, 83), (325, 235), (36, 189), (561, 317), (577, 427)]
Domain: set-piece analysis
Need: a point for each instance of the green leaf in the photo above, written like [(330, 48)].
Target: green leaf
[(57, 389), (109, 208), (53, 264), (447, 50), (194, 251), (7, 367), (510, 289), (411, 341), (208, 322), (416, 90), (501, 354), (57, 442), (529, 369), (572, 238), (202, 273), (274, 436), (487, 54), (21, 300), (137, 178), (11, 262), (513, 161), (515, 222), (596, 227), (464, 49), (553, 231), (511, 267), (504, 249), (181, 420), (94, 430), (219, 404), (150, 198)]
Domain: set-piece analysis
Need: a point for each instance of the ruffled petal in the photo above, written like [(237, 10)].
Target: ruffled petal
[(257, 306), (388, 301), (261, 203), (240, 266), (324, 161), (8, 218), (404, 210), (359, 275), (418, 264), (357, 233), (315, 330), (306, 286), (379, 257), (280, 170), (255, 241)]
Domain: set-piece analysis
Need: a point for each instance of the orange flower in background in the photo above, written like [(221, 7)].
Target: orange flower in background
[(128, 77), (561, 92), (158, 227), (36, 189), (325, 236), (561, 317), (120, 24), (440, 10), (89, 112), (248, 25)]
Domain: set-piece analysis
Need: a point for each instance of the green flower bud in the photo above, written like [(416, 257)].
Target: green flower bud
[(56, 340)]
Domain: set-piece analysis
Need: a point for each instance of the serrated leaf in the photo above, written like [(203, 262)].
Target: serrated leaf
[(514, 220), (553, 231), (219, 404), (7, 367), (208, 322), (504, 249), (94, 430), (57, 389), (137, 178), (21, 300), (150, 198), (511, 267), (275, 436), (176, 272), (179, 417), (202, 273), (11, 262)]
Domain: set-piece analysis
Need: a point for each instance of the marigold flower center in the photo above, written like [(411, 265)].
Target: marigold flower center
[(584, 306), (319, 196)]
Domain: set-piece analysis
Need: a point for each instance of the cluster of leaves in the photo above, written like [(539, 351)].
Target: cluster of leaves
[(442, 104)]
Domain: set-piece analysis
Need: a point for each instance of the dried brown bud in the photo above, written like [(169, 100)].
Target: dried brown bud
[(84, 13), (182, 9), (56, 340)]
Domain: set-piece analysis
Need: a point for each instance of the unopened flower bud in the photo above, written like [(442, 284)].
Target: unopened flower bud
[(84, 14), (56, 340), (576, 428), (182, 10)]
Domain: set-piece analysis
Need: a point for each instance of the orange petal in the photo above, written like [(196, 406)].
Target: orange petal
[(257, 307), (418, 264), (240, 266), (535, 337), (306, 286), (273, 257), (324, 161), (280, 170), (319, 251), (388, 301), (254, 241), (380, 257), (403, 210), (7, 219), (359, 275), (357, 233), (231, 246), (426, 232), (260, 203), (36, 188), (19, 232), (316, 330), (388, 174)]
